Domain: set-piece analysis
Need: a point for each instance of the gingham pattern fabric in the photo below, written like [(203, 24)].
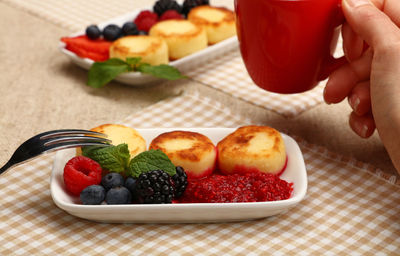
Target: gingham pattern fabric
[(226, 73), (350, 208)]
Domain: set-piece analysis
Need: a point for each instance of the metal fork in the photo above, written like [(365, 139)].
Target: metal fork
[(55, 140)]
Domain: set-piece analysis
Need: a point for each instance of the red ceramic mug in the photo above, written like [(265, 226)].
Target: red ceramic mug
[(287, 45)]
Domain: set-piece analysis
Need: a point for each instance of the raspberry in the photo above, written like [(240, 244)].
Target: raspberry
[(171, 14), (97, 50), (81, 172), (145, 20), (146, 24)]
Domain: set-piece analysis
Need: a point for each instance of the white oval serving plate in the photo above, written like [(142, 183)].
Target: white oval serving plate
[(138, 79), (182, 213)]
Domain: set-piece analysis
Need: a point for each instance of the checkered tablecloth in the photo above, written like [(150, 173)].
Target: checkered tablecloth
[(350, 208), (226, 73)]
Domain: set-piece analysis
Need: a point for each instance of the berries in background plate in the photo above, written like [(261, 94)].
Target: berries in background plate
[(112, 32), (130, 29), (162, 6), (92, 195), (190, 4), (112, 180), (145, 20), (155, 187), (180, 181), (93, 32), (118, 195), (171, 14), (81, 172)]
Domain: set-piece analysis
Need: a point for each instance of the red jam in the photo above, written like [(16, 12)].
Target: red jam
[(247, 187)]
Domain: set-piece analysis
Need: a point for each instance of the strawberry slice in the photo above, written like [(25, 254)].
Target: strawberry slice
[(97, 50), (81, 172)]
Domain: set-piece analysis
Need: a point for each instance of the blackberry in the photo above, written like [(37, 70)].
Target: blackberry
[(180, 181), (190, 4), (130, 29), (93, 32), (164, 5), (112, 180), (92, 195), (112, 32), (155, 187)]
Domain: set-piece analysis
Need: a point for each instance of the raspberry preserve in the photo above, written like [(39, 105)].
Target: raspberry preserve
[(247, 187)]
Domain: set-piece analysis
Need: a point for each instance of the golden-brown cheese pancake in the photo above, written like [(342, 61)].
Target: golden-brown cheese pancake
[(219, 22), (119, 134), (191, 150), (152, 50), (182, 36), (252, 148)]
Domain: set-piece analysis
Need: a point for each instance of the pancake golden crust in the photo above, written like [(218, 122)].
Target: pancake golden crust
[(219, 22), (122, 134), (152, 50), (193, 151), (252, 148), (182, 36)]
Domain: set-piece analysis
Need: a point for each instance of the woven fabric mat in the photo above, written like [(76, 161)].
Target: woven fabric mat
[(350, 208)]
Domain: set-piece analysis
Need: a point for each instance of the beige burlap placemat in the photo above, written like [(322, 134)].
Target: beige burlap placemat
[(350, 208)]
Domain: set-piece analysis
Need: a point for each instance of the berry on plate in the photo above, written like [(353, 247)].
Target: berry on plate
[(145, 20), (81, 172), (130, 29), (171, 14), (155, 187), (180, 181), (93, 195), (118, 195), (93, 32), (190, 4), (112, 32), (112, 180), (162, 6)]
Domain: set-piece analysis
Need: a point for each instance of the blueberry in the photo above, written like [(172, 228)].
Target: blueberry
[(129, 29), (112, 32), (93, 194), (130, 183), (118, 195), (93, 32), (112, 180)]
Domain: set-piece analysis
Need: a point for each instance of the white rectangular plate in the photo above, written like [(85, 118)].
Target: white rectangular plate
[(140, 80), (182, 213)]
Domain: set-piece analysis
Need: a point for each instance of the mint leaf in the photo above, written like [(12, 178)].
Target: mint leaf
[(133, 61), (112, 158), (149, 161), (161, 71), (101, 73)]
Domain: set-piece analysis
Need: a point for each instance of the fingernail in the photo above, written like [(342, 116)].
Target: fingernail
[(354, 101), (361, 129), (323, 95), (356, 3)]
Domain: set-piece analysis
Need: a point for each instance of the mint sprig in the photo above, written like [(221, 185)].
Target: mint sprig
[(112, 158), (149, 161), (101, 73)]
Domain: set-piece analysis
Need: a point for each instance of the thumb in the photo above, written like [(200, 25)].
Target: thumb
[(370, 23)]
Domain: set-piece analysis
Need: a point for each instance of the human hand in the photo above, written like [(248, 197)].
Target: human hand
[(371, 79)]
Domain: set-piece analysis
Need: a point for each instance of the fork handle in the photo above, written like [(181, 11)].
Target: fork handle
[(6, 166)]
